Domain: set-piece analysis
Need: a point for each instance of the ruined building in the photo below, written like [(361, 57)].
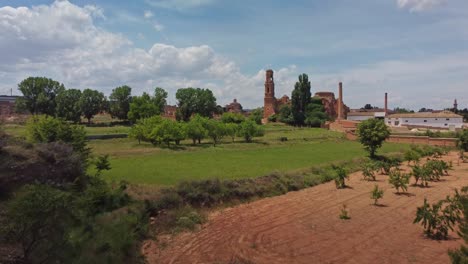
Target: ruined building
[(271, 104), (334, 107), (234, 107)]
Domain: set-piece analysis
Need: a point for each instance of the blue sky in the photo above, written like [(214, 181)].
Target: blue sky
[(416, 50)]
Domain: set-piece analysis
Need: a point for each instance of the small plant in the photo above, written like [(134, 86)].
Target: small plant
[(368, 171), (344, 213), (399, 180), (437, 219), (412, 156), (376, 194), (388, 164), (340, 177), (102, 163), (422, 173)]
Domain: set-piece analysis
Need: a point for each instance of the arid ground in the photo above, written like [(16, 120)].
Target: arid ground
[(304, 227)]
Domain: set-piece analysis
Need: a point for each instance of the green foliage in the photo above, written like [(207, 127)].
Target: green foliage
[(39, 95), (315, 114), (422, 173), (285, 115), (460, 256), (231, 130), (160, 97), (143, 107), (196, 128), (399, 180), (463, 140), (372, 133), (376, 194), (195, 101), (68, 105), (256, 115), (412, 156), (91, 103), (232, 118), (387, 164), (300, 99), (368, 171), (340, 176), (249, 129), (167, 131), (102, 164), (119, 102), (344, 213), (46, 129), (143, 129), (215, 130), (273, 118), (37, 219), (438, 218)]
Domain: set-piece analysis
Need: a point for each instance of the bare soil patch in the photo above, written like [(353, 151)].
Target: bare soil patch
[(304, 227)]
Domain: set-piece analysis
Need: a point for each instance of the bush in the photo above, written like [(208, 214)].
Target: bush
[(399, 180), (340, 176), (412, 156), (372, 133), (46, 129), (368, 171), (232, 118), (376, 194), (421, 173), (438, 218), (462, 141)]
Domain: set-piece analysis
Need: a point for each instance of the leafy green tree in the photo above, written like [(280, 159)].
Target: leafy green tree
[(232, 118), (249, 129), (68, 105), (168, 131), (91, 103), (399, 180), (119, 102), (300, 98), (376, 194), (232, 130), (215, 130), (463, 140), (412, 156), (196, 128), (422, 173), (372, 133), (195, 101), (46, 129), (143, 129), (160, 99), (315, 114), (285, 115), (256, 115), (39, 218), (39, 95), (142, 107)]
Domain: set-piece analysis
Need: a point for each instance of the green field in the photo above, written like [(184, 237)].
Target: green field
[(146, 164)]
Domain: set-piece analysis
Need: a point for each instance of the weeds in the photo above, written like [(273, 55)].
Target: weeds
[(376, 194), (344, 213)]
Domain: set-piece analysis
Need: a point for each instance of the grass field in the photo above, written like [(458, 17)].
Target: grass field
[(146, 164), (306, 147)]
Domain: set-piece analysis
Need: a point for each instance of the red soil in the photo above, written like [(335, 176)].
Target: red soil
[(304, 227)]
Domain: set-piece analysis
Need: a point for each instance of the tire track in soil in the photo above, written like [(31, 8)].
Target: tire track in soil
[(303, 227)]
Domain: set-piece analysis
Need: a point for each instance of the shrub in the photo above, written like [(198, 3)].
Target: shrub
[(368, 171), (344, 213), (399, 180), (372, 133), (422, 173), (46, 129), (232, 118), (462, 141), (438, 218), (340, 177), (376, 194), (412, 156), (387, 164)]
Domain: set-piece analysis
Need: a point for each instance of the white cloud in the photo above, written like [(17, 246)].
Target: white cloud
[(419, 5), (179, 4), (158, 26), (148, 14)]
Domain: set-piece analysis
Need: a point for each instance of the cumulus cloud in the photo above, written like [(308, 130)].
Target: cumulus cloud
[(62, 41), (419, 5)]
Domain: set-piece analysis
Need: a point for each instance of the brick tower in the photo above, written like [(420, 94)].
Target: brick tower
[(269, 108)]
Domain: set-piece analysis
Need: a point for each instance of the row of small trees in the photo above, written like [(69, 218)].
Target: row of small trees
[(157, 130)]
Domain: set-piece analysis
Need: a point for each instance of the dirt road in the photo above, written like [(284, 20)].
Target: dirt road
[(304, 227)]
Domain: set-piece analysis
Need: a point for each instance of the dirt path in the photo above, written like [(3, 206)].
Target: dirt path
[(303, 227)]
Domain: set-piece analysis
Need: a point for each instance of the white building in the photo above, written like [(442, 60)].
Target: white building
[(445, 119), (361, 116)]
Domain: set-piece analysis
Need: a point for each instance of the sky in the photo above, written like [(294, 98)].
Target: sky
[(416, 50)]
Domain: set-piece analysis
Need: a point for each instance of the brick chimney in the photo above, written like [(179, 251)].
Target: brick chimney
[(386, 104), (340, 101)]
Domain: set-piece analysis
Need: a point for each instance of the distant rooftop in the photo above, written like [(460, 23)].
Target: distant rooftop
[(443, 114)]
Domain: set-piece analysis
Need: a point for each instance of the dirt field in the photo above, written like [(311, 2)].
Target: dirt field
[(303, 227)]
